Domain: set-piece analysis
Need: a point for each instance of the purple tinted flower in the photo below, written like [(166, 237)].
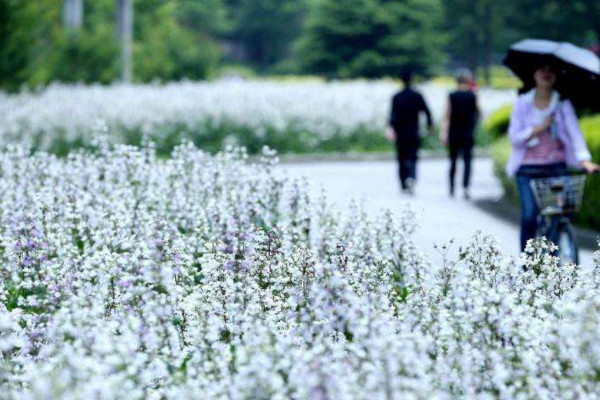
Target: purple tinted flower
[(125, 283), (27, 261), (35, 334), (245, 266), (228, 266), (318, 392), (229, 249), (245, 236)]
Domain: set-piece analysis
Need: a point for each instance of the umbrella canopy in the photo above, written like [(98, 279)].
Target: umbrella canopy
[(577, 69)]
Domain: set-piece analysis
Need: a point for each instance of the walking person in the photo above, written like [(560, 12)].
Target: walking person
[(404, 130), (545, 139), (458, 127)]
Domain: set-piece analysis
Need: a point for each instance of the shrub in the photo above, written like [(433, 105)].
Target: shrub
[(496, 124), (501, 78), (590, 212), (500, 151)]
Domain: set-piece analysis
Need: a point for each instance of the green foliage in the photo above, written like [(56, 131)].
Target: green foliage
[(212, 137), (27, 29), (172, 40), (499, 78), (84, 57), (477, 29), (267, 28), (577, 20), (165, 50), (371, 38), (36, 49), (496, 124), (206, 16), (500, 151), (480, 31), (588, 215), (237, 70)]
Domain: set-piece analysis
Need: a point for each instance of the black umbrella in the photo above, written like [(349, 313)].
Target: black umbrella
[(577, 69)]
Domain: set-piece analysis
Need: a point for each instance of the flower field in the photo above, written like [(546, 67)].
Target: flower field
[(295, 117), (129, 276)]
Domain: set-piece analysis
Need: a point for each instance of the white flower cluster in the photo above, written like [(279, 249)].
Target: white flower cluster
[(203, 277), (315, 111)]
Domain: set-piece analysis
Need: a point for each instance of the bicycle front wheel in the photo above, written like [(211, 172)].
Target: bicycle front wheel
[(567, 245)]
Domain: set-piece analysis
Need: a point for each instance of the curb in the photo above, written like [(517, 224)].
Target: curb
[(367, 156), (502, 208)]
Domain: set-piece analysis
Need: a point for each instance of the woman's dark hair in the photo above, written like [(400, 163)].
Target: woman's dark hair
[(529, 84)]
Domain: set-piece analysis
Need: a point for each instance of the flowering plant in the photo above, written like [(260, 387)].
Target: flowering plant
[(127, 276), (288, 116)]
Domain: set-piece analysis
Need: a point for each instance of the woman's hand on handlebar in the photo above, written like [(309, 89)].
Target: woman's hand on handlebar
[(590, 167)]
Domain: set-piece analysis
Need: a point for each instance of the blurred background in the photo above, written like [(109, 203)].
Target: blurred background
[(164, 40)]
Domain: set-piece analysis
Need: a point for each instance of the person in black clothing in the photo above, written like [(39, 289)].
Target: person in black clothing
[(404, 129), (458, 126)]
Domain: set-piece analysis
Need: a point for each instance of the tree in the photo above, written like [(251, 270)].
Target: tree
[(589, 11), (37, 46), (555, 19), (266, 28), (27, 30), (165, 49), (372, 38), (477, 30), (203, 17)]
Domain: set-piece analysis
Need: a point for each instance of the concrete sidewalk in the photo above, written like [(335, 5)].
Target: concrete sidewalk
[(441, 217)]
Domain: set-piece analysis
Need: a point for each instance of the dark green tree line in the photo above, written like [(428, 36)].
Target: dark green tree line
[(174, 39), (350, 38), (479, 29), (267, 28)]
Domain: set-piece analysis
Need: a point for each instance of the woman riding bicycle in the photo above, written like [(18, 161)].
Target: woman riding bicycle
[(546, 139)]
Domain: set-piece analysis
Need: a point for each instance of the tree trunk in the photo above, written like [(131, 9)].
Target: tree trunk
[(118, 19), (73, 14), (125, 36)]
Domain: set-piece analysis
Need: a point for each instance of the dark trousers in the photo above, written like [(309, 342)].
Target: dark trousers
[(407, 148), (529, 207), (407, 169), (466, 152)]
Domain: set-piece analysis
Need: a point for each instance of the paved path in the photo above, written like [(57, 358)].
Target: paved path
[(441, 218)]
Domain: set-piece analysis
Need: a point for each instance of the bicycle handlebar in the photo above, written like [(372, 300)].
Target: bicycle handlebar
[(580, 172)]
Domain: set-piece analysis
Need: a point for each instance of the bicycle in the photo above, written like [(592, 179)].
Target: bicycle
[(558, 199)]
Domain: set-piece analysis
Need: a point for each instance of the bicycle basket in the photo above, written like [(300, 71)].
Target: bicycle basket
[(558, 195)]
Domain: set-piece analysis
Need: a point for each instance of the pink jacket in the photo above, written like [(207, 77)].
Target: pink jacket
[(568, 132)]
